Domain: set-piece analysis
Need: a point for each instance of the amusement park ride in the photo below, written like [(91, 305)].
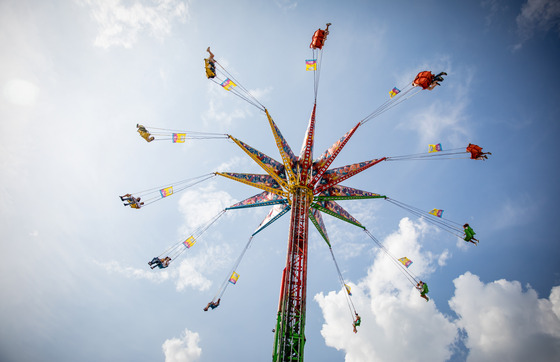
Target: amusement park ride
[(302, 186)]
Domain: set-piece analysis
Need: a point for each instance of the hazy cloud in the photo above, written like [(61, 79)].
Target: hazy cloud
[(286, 4), (222, 118), (21, 92), (439, 118), (495, 8), (120, 24), (199, 206), (537, 16), (444, 118), (134, 273), (509, 213)]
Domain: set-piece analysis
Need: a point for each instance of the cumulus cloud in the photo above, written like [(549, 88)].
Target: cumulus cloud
[(191, 276), (390, 308), (183, 349), (119, 25), (442, 259), (537, 16), (193, 270), (498, 321), (201, 205), (505, 323)]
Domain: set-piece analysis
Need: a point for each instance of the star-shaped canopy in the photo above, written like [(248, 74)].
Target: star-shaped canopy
[(282, 178)]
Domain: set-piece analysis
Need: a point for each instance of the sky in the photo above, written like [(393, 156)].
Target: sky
[(77, 76)]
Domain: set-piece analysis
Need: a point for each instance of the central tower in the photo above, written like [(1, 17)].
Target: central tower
[(289, 339)]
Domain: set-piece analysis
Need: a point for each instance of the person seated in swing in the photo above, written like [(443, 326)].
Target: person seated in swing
[(136, 205), (127, 197), (210, 65), (435, 80), (327, 31), (154, 262), (357, 323), (133, 202), (160, 263), (423, 288), (213, 305), (144, 133), (469, 234), (476, 152)]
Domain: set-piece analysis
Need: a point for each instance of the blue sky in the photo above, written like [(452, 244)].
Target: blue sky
[(77, 76)]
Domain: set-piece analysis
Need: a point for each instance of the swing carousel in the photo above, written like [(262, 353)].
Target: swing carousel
[(303, 187)]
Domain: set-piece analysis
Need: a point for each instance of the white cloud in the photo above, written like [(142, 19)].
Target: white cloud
[(190, 275), (235, 163), (120, 24), (286, 4), (495, 8), (236, 107), (391, 310), (504, 323), (192, 270), (438, 118), (222, 119), (183, 349), (500, 321), (348, 250), (157, 276), (260, 93), (442, 259), (537, 16), (444, 118), (555, 300), (365, 211), (201, 205)]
